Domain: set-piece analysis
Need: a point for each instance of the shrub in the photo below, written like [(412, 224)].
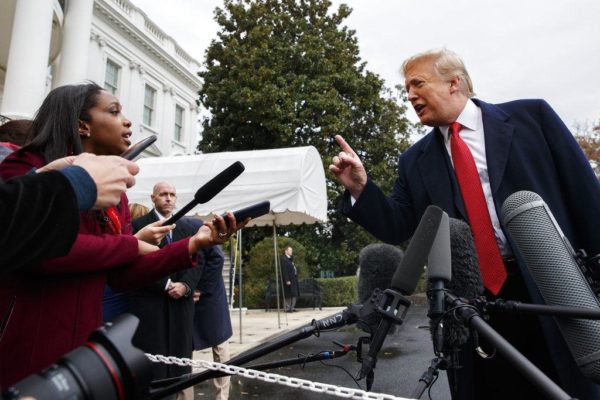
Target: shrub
[(338, 292), (261, 267)]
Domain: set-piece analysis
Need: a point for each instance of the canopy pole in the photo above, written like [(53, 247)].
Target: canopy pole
[(276, 259), (239, 241)]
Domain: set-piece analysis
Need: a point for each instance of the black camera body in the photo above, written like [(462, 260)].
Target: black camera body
[(106, 367)]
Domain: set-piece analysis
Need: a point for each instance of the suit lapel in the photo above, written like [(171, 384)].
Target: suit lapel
[(498, 136), (438, 175)]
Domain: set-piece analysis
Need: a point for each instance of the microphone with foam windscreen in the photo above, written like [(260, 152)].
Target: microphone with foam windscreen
[(209, 190), (460, 276), (377, 264), (551, 261), (404, 282)]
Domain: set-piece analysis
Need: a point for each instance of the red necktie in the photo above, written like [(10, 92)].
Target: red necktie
[(490, 260)]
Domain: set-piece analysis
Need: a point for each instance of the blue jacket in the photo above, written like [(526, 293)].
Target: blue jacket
[(212, 323)]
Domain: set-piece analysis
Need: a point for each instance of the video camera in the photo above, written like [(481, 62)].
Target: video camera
[(106, 367)]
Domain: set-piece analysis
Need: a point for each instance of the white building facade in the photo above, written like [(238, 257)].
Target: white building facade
[(49, 43)]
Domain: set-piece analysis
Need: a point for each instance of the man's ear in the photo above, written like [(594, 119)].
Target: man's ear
[(84, 129), (455, 84)]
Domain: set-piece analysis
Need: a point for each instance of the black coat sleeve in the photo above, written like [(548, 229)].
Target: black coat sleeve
[(39, 217)]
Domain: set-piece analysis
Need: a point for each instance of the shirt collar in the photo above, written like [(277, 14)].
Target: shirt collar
[(160, 217), (469, 118)]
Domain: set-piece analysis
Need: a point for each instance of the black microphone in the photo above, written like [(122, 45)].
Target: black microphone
[(465, 282), (377, 264), (209, 190), (439, 273), (552, 264), (404, 282)]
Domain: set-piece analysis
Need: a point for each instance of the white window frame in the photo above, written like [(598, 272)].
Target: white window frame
[(179, 124), (118, 76), (151, 109)]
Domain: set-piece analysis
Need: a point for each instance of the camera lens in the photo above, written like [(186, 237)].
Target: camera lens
[(107, 367)]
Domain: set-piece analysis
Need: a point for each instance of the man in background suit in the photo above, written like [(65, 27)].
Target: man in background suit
[(514, 146), (166, 308), (289, 274)]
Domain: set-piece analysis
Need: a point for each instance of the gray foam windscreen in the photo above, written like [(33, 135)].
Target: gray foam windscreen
[(549, 258)]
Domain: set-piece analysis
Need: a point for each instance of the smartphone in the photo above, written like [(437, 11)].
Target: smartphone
[(136, 149), (253, 211)]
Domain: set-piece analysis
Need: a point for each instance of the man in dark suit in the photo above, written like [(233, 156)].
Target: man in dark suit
[(289, 274), (475, 157), (166, 308)]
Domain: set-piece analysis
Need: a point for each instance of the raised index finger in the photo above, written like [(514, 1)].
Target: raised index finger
[(344, 145)]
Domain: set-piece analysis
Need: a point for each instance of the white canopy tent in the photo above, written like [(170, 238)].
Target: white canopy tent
[(292, 179)]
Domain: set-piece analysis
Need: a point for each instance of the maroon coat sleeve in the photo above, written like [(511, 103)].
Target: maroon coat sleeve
[(109, 251), (151, 267)]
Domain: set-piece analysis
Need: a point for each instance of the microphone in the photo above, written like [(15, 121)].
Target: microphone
[(377, 264), (404, 282), (209, 190), (439, 273), (552, 264), (465, 281)]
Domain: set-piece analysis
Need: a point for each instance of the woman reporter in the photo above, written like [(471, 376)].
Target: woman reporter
[(52, 307)]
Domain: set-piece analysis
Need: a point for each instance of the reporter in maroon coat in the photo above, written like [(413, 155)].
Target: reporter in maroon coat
[(51, 308)]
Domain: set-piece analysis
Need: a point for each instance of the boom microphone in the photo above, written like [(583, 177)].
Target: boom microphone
[(377, 262), (404, 281), (209, 190), (465, 280), (551, 262)]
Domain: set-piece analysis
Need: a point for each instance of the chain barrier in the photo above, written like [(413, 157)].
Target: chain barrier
[(303, 384)]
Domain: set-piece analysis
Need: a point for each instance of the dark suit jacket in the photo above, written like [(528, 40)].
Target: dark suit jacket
[(527, 147), (212, 322), (166, 324), (289, 274)]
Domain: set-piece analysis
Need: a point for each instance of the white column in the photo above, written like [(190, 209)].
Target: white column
[(134, 105), (166, 131), (26, 69), (192, 129), (75, 42)]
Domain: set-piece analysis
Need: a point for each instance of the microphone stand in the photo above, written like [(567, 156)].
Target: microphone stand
[(470, 316), (538, 309), (429, 376)]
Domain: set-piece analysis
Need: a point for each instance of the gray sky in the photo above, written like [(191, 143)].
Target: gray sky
[(512, 48)]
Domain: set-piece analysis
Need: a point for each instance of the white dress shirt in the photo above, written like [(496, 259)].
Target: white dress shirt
[(162, 218), (472, 134)]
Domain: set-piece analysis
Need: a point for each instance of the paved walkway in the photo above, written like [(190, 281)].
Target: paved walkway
[(258, 326)]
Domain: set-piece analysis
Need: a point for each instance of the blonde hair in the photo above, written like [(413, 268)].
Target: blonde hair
[(138, 210), (447, 64)]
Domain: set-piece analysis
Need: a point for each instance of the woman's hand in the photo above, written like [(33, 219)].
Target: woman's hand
[(154, 232), (215, 232)]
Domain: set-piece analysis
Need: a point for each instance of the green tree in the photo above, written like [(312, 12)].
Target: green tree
[(288, 73), (588, 137)]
